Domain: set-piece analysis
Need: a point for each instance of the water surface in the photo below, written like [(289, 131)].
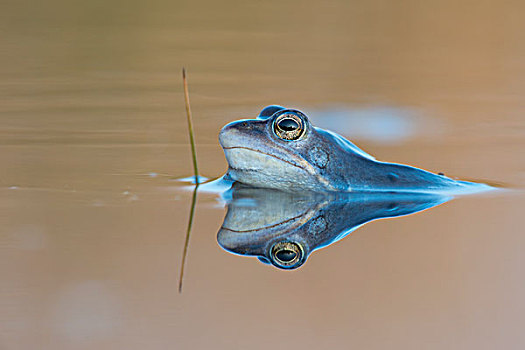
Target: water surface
[(93, 134)]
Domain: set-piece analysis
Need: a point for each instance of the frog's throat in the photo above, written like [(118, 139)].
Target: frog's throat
[(300, 164)]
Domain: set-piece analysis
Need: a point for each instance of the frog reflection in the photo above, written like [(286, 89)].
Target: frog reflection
[(283, 229)]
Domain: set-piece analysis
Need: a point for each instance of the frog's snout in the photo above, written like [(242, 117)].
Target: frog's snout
[(243, 133), (231, 133)]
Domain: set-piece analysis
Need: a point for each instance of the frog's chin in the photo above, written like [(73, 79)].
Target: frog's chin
[(256, 168)]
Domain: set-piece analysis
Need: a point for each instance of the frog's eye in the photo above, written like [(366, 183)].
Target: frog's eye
[(289, 125), (287, 255)]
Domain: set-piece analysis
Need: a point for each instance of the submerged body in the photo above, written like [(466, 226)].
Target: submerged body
[(281, 149)]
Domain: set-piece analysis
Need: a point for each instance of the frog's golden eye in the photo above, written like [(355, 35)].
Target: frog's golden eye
[(289, 125), (287, 255)]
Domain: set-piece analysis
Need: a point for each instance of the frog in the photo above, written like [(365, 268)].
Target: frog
[(281, 149)]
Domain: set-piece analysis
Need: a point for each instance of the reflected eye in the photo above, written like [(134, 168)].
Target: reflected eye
[(289, 126), (287, 255)]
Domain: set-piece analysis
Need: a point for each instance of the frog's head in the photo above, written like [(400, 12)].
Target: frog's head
[(279, 149)]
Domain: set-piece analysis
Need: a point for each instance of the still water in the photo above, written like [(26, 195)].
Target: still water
[(93, 139)]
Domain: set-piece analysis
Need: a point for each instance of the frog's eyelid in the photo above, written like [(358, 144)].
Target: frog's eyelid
[(296, 112), (268, 111)]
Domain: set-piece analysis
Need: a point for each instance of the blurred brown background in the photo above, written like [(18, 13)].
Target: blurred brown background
[(93, 133)]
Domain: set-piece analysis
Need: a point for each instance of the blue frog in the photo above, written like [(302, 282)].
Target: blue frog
[(281, 149)]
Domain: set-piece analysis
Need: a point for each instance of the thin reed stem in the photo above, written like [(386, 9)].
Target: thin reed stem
[(190, 125)]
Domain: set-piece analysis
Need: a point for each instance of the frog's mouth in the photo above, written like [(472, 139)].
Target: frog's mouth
[(261, 169), (247, 150), (236, 156)]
